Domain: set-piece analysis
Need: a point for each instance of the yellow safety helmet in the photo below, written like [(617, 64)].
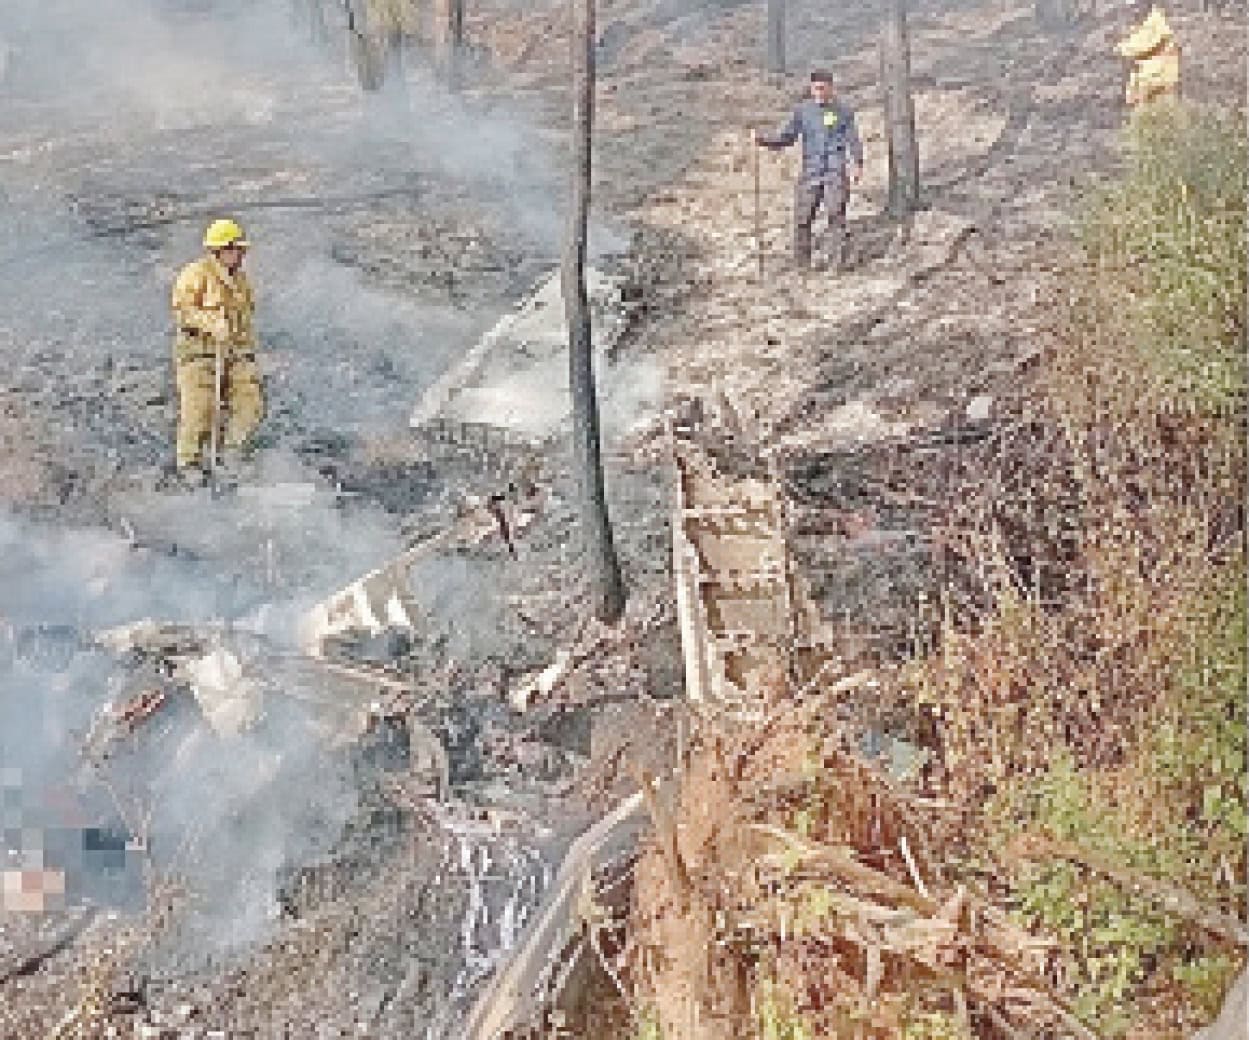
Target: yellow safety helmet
[(223, 233)]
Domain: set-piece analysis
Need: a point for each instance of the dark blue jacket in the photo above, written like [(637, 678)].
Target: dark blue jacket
[(828, 133)]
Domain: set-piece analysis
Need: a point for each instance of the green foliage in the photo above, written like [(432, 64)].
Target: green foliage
[(1193, 764), (1206, 979), (934, 1025), (1150, 389), (777, 1019), (1167, 239), (1110, 936), (1201, 744), (648, 1027)]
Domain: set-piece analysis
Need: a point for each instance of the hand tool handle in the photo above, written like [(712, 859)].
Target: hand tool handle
[(754, 149), (218, 381)]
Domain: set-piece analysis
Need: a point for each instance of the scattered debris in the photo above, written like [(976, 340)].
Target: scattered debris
[(733, 591), (378, 601), (531, 979), (979, 409), (540, 686), (516, 374), (382, 599), (230, 701)]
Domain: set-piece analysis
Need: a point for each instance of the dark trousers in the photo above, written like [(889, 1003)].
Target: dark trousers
[(833, 191)]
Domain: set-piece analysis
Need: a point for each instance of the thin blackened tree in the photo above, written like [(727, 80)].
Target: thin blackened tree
[(899, 105), (776, 36), (606, 587)]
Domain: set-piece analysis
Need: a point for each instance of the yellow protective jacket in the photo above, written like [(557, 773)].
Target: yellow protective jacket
[(210, 306), (1156, 56)]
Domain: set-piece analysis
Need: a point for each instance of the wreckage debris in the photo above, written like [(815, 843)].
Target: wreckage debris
[(515, 373), (533, 977), (229, 700), (733, 586), (346, 703)]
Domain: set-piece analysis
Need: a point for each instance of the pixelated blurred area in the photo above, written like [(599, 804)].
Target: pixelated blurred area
[(53, 858), (32, 891)]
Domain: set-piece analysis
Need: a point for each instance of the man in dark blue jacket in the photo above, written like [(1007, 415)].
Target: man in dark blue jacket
[(832, 157)]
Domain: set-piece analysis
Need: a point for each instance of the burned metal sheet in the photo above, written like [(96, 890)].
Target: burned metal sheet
[(516, 376), (733, 587)]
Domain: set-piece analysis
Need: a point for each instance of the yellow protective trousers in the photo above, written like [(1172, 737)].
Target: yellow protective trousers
[(242, 404)]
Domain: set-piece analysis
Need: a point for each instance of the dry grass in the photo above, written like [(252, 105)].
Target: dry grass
[(1111, 714), (795, 892)]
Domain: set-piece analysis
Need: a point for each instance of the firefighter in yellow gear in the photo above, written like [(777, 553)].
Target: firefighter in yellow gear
[(1155, 55), (214, 310)]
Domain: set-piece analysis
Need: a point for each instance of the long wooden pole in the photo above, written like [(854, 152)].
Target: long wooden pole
[(754, 148), (214, 439)]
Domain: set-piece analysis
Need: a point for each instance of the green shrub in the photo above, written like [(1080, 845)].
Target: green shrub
[(1166, 242), (1109, 936), (1206, 980), (1181, 820), (648, 1027), (1197, 754), (777, 1018)]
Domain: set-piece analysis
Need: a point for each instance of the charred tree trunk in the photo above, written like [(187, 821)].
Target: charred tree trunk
[(899, 105), (776, 35), (606, 588), (449, 39)]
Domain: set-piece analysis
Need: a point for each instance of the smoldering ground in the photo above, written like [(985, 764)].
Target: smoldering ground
[(128, 125), (125, 125), (225, 815)]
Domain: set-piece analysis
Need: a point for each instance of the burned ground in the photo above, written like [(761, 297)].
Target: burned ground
[(387, 240)]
